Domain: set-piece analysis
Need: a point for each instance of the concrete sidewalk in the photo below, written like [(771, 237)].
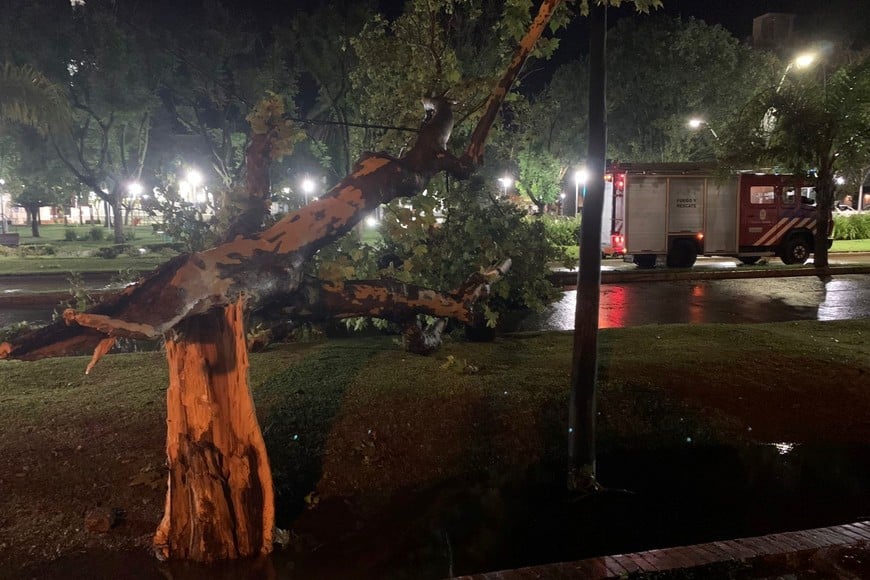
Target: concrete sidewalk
[(831, 552)]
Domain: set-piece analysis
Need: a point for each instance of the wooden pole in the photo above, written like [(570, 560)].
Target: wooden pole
[(584, 363)]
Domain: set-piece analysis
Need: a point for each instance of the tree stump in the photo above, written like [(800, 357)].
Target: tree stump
[(220, 501)]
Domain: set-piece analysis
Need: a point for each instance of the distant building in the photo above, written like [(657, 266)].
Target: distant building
[(773, 31)]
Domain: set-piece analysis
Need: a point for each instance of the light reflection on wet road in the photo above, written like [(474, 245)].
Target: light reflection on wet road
[(683, 301), (712, 301)]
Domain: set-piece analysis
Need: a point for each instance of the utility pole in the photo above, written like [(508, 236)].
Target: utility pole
[(584, 363)]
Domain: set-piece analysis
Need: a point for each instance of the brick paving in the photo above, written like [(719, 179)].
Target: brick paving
[(684, 557)]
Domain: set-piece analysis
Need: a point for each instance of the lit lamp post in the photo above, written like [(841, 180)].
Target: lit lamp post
[(698, 123), (580, 177), (2, 206), (308, 187), (803, 60), (135, 190), (194, 179), (506, 182)]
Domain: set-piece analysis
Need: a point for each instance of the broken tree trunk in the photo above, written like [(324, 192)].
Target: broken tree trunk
[(220, 499), (219, 504)]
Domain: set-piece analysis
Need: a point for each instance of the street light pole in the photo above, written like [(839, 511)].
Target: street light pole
[(580, 176), (2, 206), (506, 182), (308, 187), (698, 123)]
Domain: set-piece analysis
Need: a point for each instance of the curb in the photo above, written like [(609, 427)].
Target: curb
[(569, 278)]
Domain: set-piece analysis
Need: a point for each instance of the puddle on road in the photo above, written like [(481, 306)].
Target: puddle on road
[(675, 497)]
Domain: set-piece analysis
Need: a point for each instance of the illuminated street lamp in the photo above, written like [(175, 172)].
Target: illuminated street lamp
[(194, 180), (2, 206), (802, 60), (134, 188), (506, 182), (698, 123), (308, 187), (580, 176)]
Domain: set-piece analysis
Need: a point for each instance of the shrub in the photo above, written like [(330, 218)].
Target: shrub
[(29, 250), (852, 227), (561, 231), (110, 252), (69, 235), (96, 234)]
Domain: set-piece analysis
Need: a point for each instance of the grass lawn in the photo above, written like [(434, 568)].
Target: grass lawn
[(56, 234), (374, 449), (79, 255), (851, 246)]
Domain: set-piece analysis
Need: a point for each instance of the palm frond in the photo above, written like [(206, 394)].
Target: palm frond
[(29, 98)]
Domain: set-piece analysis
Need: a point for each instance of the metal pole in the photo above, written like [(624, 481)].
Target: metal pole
[(576, 195), (584, 364)]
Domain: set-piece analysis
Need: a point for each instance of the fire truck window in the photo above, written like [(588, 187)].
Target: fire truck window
[(761, 194), (788, 196), (808, 195)]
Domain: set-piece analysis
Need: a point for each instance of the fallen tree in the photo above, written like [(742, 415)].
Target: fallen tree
[(219, 502)]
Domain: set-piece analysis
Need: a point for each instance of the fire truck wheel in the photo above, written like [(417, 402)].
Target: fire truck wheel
[(796, 250), (682, 255), (749, 260)]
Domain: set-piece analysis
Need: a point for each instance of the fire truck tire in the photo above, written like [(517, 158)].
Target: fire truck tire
[(749, 260), (645, 261), (682, 255), (796, 250)]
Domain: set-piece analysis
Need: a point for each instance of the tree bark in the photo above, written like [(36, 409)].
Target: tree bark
[(118, 221), (219, 504), (33, 216)]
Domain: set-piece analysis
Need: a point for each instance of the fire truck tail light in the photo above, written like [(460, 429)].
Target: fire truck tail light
[(700, 235)]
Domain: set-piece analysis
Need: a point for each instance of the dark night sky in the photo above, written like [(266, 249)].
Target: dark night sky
[(846, 20), (850, 18)]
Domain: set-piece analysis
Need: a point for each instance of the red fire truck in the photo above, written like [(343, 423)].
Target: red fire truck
[(681, 211)]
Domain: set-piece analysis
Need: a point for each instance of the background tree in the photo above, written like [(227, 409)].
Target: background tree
[(222, 64), (539, 178), (39, 177), (320, 42), (820, 127), (662, 71), (557, 116), (110, 77)]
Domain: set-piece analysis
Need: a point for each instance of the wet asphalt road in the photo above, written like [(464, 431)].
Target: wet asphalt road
[(717, 301), (663, 301)]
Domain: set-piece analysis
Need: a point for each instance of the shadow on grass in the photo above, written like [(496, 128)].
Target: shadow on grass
[(296, 432)]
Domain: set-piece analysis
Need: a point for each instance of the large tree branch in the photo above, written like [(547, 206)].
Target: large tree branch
[(389, 299), (473, 155), (270, 262)]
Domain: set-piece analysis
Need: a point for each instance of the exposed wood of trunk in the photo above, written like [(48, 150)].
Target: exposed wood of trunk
[(220, 502)]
